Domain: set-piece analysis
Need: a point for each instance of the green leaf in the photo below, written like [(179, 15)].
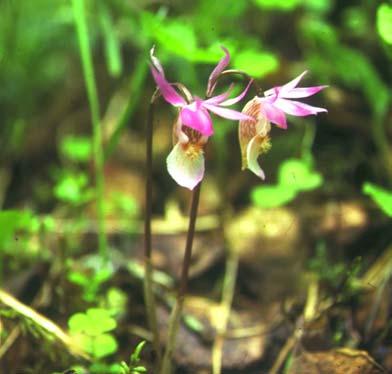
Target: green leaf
[(76, 148), (381, 196), (104, 345), (178, 36), (297, 175), (272, 196), (77, 323), (283, 5), (71, 189), (255, 63), (384, 22), (135, 356), (101, 321), (112, 43), (92, 323), (10, 222)]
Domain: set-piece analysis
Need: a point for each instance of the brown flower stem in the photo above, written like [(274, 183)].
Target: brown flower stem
[(149, 297), (175, 316)]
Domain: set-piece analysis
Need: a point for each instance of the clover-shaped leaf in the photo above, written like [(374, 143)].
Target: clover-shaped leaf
[(298, 175), (104, 345), (272, 196), (92, 323)]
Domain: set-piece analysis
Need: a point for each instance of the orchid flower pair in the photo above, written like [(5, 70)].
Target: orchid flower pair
[(193, 125)]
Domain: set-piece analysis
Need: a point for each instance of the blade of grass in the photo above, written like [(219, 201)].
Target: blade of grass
[(138, 78), (89, 77)]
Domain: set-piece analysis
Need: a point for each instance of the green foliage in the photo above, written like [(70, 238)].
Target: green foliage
[(336, 275), (122, 205), (73, 188), (10, 222), (284, 5), (90, 278), (328, 272), (90, 331), (381, 196), (256, 63), (272, 196), (134, 366), (76, 148), (112, 42), (294, 176), (323, 45), (384, 22), (298, 176), (177, 36)]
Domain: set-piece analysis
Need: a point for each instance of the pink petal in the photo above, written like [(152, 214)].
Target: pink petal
[(252, 153), (297, 108), (196, 117), (274, 114), (292, 84), (228, 113), (302, 92), (237, 98), (218, 69), (167, 91), (186, 171)]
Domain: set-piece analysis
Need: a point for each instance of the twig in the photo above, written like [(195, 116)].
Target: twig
[(45, 323)]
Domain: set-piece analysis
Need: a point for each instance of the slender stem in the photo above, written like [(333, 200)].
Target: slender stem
[(149, 297), (225, 307), (189, 241), (88, 72), (177, 310)]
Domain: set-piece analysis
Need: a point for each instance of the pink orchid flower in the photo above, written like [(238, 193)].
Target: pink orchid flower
[(278, 101), (254, 136), (193, 126)]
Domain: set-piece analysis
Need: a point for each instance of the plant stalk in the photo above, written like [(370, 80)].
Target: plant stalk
[(229, 282), (149, 297), (92, 94), (175, 316)]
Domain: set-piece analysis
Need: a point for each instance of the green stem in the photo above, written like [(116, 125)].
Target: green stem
[(177, 310), (138, 78), (149, 297), (88, 72)]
